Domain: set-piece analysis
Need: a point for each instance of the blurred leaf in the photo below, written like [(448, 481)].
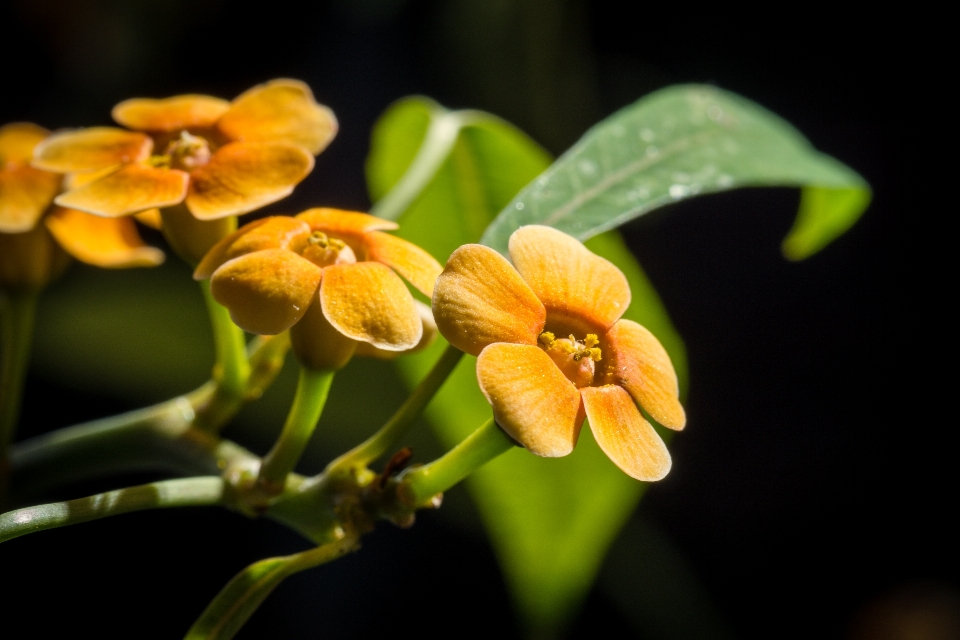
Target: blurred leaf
[(680, 142), (550, 521)]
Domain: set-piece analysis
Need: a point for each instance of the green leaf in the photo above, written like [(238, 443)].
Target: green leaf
[(680, 142), (550, 521)]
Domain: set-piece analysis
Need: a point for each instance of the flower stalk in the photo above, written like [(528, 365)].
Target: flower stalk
[(313, 387), (17, 312), (400, 423), (420, 485)]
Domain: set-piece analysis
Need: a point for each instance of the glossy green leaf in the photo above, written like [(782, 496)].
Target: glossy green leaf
[(550, 521), (677, 143)]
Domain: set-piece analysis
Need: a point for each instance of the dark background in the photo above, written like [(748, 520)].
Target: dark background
[(812, 490)]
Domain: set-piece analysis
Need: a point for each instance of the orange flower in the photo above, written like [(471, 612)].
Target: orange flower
[(552, 348), (329, 276), (219, 158), (30, 256)]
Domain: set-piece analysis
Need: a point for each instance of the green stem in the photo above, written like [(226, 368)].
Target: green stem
[(241, 597), (17, 312), (232, 369), (185, 492), (399, 424), (312, 390), (421, 484)]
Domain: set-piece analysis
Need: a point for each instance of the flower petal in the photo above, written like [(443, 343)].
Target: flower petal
[(244, 176), (624, 435), (91, 149), (367, 350), (30, 260), (367, 301), (268, 291), (150, 218), (480, 299), (170, 114), (640, 364), (102, 242), (337, 222), (17, 141), (276, 232), (280, 110), (317, 344), (25, 193), (570, 280), (410, 261), (531, 399), (134, 188)]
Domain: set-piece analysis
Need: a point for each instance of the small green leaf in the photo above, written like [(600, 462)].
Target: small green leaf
[(677, 143), (550, 521)]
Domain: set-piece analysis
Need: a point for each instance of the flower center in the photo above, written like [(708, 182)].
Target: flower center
[(186, 153), (323, 251), (576, 359)]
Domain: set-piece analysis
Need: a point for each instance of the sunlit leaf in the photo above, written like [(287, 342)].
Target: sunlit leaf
[(681, 142), (550, 521)]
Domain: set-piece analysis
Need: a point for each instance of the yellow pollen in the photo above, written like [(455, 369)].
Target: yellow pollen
[(547, 339), (579, 349)]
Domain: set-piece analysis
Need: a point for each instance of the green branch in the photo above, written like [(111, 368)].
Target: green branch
[(185, 492), (232, 369), (237, 601)]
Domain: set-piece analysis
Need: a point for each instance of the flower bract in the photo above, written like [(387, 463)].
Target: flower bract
[(552, 348), (330, 276)]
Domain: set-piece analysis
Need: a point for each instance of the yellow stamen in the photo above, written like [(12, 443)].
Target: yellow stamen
[(547, 339)]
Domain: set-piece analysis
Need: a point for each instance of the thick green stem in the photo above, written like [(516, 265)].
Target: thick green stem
[(183, 492), (241, 597), (232, 369), (17, 312), (312, 390), (399, 424), (421, 484)]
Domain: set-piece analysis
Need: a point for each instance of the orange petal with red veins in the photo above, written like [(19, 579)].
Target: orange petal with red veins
[(25, 193), (367, 301), (531, 399), (624, 435), (17, 141), (170, 114), (413, 263), (480, 299), (244, 176), (268, 291), (150, 218), (338, 222), (91, 149), (280, 110), (569, 279), (102, 242), (640, 364), (276, 232), (134, 188)]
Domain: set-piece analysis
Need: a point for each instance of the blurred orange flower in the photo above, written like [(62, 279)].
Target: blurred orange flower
[(541, 384), (26, 195), (328, 275), (219, 158)]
